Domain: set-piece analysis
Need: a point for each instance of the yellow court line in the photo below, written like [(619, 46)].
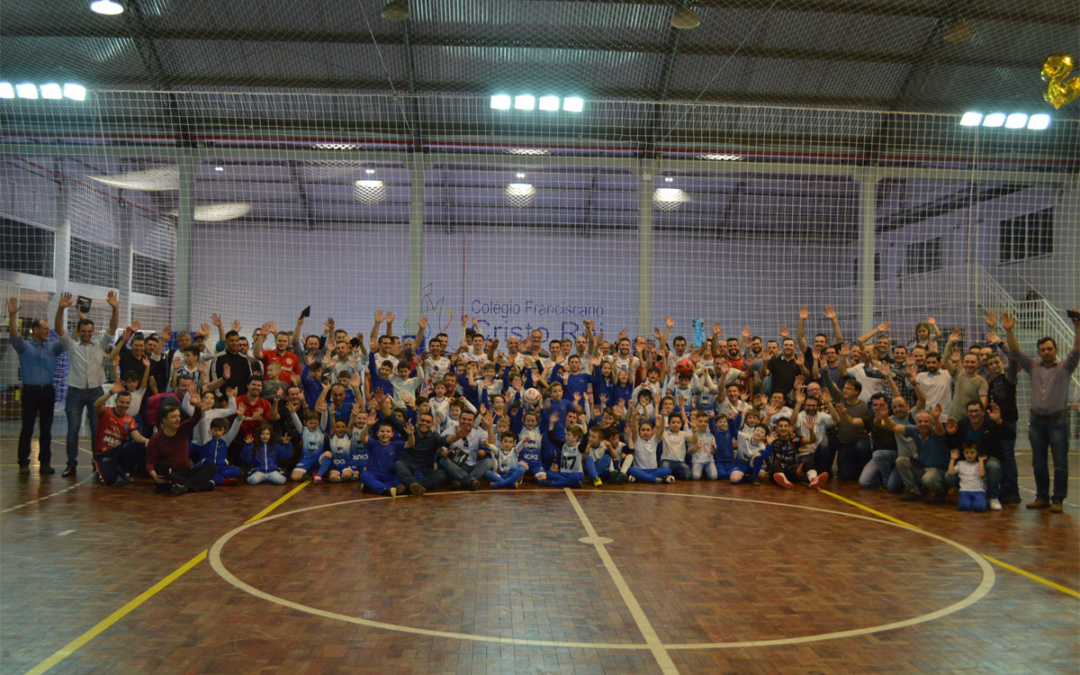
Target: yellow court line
[(1034, 577), (71, 647)]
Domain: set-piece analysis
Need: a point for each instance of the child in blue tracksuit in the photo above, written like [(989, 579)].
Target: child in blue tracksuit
[(567, 468), (337, 456), (753, 454), (383, 452), (600, 456), (216, 451), (264, 457), (508, 470), (312, 444), (723, 430)]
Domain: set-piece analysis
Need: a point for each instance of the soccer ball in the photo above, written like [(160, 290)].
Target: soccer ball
[(531, 396), (685, 367)]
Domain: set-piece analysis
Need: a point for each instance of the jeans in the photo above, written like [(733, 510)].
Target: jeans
[(914, 474), (1052, 435), (708, 467), (1009, 473), (77, 401), (681, 470), (593, 468), (429, 478), (467, 474), (825, 455), (37, 400), (256, 477), (851, 458), (113, 463), (972, 501), (881, 469)]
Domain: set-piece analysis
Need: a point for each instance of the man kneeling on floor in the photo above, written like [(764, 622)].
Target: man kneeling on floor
[(168, 460), (116, 447)]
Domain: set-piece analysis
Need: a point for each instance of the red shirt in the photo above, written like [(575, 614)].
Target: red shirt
[(245, 408), (290, 364), (112, 429)]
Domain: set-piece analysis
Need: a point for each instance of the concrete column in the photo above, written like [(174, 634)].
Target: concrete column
[(868, 180), (645, 247), (127, 248), (181, 310), (416, 242), (61, 245)]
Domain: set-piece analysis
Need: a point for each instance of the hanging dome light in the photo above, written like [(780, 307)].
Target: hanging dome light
[(396, 10), (685, 19)]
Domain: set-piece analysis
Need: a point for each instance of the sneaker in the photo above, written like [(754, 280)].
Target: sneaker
[(782, 480), (995, 504), (1038, 504), (619, 478), (910, 497), (211, 486), (231, 482), (177, 489), (474, 485), (122, 479), (45, 470), (1057, 507), (391, 491), (669, 479), (819, 480), (597, 482), (25, 469), (69, 472), (455, 485), (417, 489), (631, 479)]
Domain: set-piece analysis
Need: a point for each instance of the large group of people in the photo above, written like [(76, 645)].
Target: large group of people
[(407, 414)]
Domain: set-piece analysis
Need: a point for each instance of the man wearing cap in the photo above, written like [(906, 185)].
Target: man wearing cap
[(37, 362), (86, 373)]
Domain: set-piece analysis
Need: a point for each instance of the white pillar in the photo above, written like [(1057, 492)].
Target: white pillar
[(416, 242), (645, 247), (61, 246), (123, 282), (868, 180), (181, 315)]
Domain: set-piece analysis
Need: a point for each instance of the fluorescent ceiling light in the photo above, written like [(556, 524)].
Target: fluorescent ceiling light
[(528, 151), (520, 194), (994, 120), (573, 104), (26, 90), (107, 7), (500, 102), (524, 102), (1016, 121), (219, 168), (369, 171), (369, 191), (216, 213), (1035, 122), (669, 199), (519, 175), (52, 91), (971, 119), (723, 158), (76, 92), (150, 180), (549, 103), (335, 146), (668, 179), (8, 91)]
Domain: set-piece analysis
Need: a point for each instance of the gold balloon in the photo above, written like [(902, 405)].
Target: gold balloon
[(1059, 91)]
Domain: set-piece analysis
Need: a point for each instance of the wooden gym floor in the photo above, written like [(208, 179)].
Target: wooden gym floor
[(689, 578)]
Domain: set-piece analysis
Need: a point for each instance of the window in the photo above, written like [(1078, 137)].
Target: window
[(1028, 236), (25, 248), (924, 256), (150, 276), (94, 263)]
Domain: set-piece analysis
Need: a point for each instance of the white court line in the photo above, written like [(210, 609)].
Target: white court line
[(54, 494), (65, 533), (644, 625)]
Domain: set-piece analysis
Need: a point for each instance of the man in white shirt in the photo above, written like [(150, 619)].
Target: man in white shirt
[(935, 382)]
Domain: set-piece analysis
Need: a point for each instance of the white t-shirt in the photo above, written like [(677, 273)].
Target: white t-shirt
[(675, 445), (645, 453), (969, 476), (706, 448), (937, 388), (870, 385), (822, 423), (471, 444)]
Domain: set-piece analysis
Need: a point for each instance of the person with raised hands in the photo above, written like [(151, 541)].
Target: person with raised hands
[(115, 451), (1048, 427), (86, 372), (926, 468), (288, 362), (37, 364)]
